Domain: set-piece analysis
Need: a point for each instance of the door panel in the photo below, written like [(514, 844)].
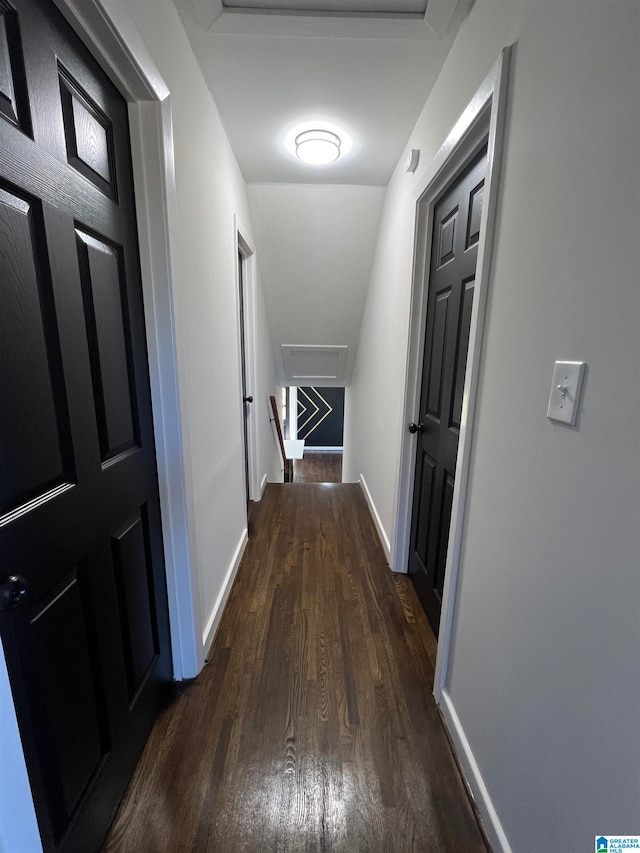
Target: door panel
[(88, 649), (88, 135), (424, 512), (67, 677), (132, 566), (456, 230), (12, 87), (106, 328), (461, 353), (447, 228), (441, 321), (7, 88), (34, 426)]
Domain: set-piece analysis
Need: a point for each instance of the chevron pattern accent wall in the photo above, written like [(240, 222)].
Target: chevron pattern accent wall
[(321, 416)]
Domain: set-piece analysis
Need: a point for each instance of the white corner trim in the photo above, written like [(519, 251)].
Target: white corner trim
[(384, 539), (151, 136), (263, 486), (490, 819), (213, 622)]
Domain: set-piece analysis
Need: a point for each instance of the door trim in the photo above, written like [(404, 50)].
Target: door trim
[(107, 29), (244, 246), (482, 121)]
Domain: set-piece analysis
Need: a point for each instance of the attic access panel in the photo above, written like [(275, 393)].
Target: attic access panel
[(395, 8), (309, 365)]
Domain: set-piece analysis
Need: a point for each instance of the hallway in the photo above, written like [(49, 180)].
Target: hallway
[(313, 727), (320, 467)]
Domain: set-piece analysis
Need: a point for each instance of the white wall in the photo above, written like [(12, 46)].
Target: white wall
[(545, 674), (315, 244), (210, 190)]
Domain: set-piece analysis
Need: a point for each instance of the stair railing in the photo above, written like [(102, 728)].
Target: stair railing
[(287, 463)]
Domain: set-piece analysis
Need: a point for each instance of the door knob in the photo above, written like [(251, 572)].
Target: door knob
[(12, 591), (247, 399), (413, 428)]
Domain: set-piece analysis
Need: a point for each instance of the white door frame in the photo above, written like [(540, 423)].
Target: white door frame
[(482, 121), (292, 413), (245, 247)]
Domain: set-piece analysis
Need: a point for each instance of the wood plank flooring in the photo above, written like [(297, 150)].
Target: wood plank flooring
[(313, 727), (318, 467)]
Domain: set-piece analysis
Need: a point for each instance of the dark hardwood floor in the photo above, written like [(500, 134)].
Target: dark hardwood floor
[(313, 727), (318, 467)]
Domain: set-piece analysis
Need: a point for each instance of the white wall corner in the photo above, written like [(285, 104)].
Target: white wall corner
[(491, 822), (213, 622), (384, 539)]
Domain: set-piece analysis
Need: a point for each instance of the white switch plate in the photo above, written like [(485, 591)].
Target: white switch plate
[(566, 386)]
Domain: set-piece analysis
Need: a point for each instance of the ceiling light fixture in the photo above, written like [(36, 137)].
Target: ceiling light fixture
[(318, 147)]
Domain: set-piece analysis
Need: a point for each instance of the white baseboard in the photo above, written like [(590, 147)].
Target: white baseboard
[(493, 827), (323, 449), (263, 486), (214, 619), (384, 539)]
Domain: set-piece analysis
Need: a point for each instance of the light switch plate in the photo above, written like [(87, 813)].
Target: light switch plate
[(566, 386)]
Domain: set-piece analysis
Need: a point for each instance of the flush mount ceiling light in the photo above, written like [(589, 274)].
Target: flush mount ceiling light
[(318, 147)]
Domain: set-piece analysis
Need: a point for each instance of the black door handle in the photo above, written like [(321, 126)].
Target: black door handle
[(247, 399), (413, 428), (12, 591)]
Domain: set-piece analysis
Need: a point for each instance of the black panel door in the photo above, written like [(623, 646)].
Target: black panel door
[(454, 252), (87, 646)]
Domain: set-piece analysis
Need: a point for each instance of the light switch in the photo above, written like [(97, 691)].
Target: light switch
[(566, 386)]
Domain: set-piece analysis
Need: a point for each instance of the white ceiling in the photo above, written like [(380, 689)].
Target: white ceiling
[(372, 86), (366, 76)]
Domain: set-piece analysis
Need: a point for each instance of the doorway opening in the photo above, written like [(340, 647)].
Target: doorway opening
[(247, 399), (455, 235), (245, 295), (482, 123), (316, 416)]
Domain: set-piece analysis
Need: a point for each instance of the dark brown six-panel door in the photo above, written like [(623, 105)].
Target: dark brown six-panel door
[(87, 646), (454, 253)]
